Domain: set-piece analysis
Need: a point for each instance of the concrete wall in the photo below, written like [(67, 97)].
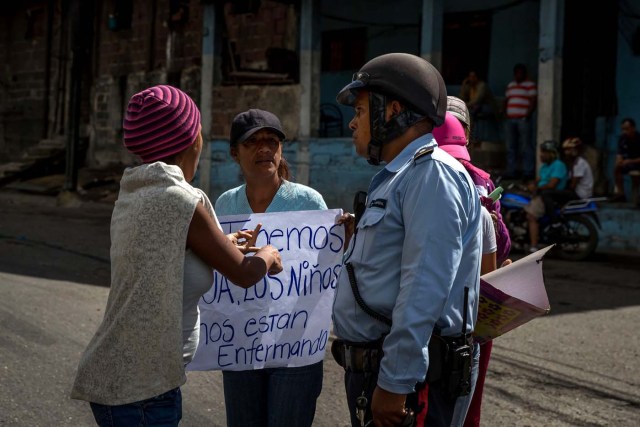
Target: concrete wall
[(151, 43), (23, 31), (274, 25), (283, 101), (110, 96), (155, 49), (620, 231), (131, 59)]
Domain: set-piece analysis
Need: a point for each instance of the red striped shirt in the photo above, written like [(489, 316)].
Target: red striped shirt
[(519, 98)]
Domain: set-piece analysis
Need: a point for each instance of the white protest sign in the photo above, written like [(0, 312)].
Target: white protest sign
[(283, 320)]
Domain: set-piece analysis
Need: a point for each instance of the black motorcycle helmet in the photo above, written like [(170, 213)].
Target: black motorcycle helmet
[(550, 146), (397, 76)]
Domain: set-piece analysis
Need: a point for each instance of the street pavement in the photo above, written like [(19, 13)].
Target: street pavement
[(577, 366)]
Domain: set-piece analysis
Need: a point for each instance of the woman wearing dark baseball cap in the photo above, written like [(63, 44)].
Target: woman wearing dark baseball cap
[(165, 241), (270, 396)]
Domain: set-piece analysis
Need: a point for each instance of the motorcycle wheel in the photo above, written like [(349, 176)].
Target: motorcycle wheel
[(579, 239)]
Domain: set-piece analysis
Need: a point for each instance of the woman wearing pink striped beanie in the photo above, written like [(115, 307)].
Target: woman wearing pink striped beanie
[(165, 241), (160, 122)]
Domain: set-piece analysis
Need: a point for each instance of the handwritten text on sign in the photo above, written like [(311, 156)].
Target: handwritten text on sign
[(284, 319)]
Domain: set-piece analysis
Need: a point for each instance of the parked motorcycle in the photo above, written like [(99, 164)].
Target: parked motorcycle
[(575, 232)]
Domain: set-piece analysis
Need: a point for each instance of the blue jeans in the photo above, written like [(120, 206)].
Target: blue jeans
[(517, 133), (164, 410), (274, 397)]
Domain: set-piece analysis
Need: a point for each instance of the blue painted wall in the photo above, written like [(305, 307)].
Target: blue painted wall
[(514, 37), (628, 94), (391, 27), (337, 173), (330, 85), (620, 231)]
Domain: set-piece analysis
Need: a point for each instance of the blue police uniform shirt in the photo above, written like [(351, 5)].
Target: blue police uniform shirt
[(417, 246)]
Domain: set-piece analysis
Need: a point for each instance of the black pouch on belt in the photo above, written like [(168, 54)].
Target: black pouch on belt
[(358, 357)]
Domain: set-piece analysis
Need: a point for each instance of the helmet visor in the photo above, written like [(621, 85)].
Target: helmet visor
[(347, 96)]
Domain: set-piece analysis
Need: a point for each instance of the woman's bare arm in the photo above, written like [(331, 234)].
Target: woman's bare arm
[(212, 246)]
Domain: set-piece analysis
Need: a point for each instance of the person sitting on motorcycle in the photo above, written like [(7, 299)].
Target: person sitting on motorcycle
[(551, 176), (580, 179), (580, 184)]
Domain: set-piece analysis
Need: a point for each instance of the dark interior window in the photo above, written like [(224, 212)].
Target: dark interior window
[(344, 49), (465, 45)]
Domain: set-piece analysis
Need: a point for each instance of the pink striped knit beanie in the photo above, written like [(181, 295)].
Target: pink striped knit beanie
[(159, 122)]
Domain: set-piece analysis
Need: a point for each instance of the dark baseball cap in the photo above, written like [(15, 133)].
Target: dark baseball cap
[(458, 108), (249, 122)]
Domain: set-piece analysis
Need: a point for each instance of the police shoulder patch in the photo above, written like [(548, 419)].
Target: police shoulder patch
[(378, 203), (424, 151)]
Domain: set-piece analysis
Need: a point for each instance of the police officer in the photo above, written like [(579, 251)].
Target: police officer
[(411, 273)]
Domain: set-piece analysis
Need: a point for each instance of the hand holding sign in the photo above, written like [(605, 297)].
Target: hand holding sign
[(276, 266), (349, 221), (245, 240)]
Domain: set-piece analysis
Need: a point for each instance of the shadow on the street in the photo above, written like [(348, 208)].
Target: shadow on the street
[(606, 281), (38, 238), (34, 258)]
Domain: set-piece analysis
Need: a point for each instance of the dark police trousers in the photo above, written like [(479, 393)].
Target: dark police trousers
[(361, 363)]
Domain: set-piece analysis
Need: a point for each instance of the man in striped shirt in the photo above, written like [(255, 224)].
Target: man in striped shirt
[(520, 102)]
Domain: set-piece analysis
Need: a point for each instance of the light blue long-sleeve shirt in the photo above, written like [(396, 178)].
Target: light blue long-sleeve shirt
[(291, 196), (417, 246)]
